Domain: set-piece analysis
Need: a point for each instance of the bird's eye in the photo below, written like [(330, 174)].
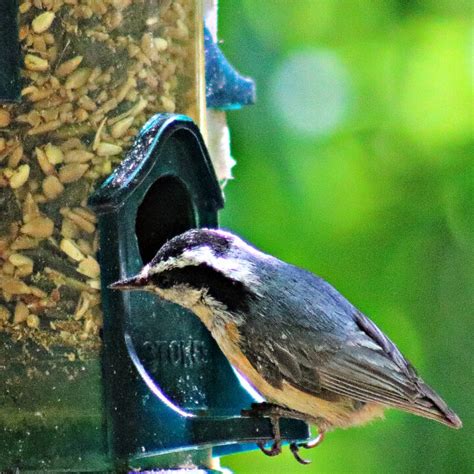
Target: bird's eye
[(165, 281)]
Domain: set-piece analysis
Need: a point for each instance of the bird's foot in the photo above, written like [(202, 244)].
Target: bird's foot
[(275, 412), (273, 451), (276, 434)]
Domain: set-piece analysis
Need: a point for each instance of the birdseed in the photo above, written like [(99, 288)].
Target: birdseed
[(4, 118), (19, 177), (21, 313), (35, 63), (94, 72), (52, 187), (42, 22)]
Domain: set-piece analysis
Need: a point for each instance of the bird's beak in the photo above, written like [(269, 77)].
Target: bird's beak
[(136, 282)]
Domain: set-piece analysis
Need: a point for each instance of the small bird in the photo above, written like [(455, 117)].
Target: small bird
[(306, 349)]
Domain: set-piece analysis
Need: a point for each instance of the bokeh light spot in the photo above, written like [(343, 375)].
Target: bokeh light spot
[(310, 92)]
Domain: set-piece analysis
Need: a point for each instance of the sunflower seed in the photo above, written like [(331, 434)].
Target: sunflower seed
[(5, 118), (20, 176), (35, 63), (52, 187), (108, 149), (41, 227), (21, 313), (78, 78), (72, 172), (71, 250), (42, 22)]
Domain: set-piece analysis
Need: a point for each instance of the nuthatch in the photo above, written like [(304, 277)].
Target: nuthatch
[(308, 351)]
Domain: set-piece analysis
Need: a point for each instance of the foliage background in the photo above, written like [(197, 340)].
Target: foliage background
[(356, 163)]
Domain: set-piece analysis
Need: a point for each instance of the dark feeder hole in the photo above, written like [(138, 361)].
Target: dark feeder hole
[(166, 211)]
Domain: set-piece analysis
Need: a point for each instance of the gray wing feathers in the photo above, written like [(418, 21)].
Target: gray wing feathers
[(369, 372), (355, 371), (416, 396), (330, 346)]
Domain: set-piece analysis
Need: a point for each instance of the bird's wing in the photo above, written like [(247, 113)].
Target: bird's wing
[(366, 367), (359, 362), (370, 368), (353, 365)]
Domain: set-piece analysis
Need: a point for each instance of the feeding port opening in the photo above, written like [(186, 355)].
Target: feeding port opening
[(166, 211)]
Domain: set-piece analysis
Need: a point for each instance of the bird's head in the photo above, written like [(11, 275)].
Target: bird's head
[(201, 266)]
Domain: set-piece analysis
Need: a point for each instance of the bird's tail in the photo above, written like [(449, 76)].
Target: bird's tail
[(431, 405)]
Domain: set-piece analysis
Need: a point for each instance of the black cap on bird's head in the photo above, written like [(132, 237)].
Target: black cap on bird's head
[(209, 260)]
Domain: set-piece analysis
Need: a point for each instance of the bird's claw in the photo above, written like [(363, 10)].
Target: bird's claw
[(272, 412), (312, 443), (273, 451), (294, 448)]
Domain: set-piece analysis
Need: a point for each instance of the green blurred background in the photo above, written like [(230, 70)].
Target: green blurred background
[(356, 163)]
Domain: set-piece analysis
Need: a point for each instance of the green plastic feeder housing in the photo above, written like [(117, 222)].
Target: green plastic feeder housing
[(168, 387)]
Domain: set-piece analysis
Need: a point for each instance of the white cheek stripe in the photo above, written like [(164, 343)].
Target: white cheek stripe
[(237, 269)]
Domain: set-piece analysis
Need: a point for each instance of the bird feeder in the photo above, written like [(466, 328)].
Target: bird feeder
[(93, 380)]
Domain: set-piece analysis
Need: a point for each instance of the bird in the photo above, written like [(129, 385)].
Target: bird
[(297, 341)]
